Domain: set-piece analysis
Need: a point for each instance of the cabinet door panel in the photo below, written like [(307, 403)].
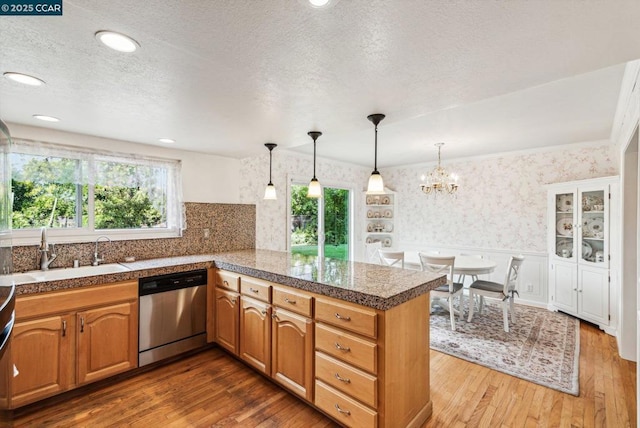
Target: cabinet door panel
[(107, 341), (255, 333), (564, 285), (227, 316), (41, 353), (593, 295), (292, 352)]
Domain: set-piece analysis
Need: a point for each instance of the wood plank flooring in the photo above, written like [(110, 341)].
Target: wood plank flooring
[(211, 389)]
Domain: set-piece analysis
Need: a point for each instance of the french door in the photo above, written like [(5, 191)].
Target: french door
[(320, 227)]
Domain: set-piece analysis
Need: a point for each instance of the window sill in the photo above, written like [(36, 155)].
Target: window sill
[(66, 236)]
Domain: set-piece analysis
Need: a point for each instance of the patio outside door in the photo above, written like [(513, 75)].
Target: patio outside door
[(320, 227)]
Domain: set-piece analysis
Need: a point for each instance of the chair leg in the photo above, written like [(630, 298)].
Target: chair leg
[(452, 314), (481, 304), (505, 316), (513, 312), (461, 306), (472, 304)]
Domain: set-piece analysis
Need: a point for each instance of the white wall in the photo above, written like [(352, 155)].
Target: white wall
[(625, 134), (205, 177)]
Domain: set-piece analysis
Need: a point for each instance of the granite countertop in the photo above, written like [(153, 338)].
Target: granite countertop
[(376, 286)]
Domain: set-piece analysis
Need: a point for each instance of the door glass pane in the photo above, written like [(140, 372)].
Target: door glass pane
[(336, 223), (564, 225), (304, 222), (593, 226)]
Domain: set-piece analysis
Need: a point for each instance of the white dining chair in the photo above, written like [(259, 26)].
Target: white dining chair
[(494, 290), (391, 258), (371, 252), (430, 262)]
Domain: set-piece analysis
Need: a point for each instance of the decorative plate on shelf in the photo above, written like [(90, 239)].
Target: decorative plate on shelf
[(369, 200), (586, 250), (388, 213), (369, 214), (564, 244), (564, 227), (564, 203), (386, 200), (388, 227), (386, 242), (595, 227), (370, 227)]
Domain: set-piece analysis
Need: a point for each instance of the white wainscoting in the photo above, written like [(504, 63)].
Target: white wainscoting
[(533, 288)]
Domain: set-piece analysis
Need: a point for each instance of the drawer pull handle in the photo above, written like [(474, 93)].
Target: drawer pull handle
[(81, 324), (275, 317), (64, 328), (264, 312), (342, 348), (225, 282), (342, 379), (343, 318), (293, 302), (344, 412), (253, 290)]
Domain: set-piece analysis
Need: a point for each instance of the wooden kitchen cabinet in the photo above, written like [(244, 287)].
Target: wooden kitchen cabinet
[(227, 316), (107, 342), (292, 352), (255, 334), (41, 351), (64, 339)]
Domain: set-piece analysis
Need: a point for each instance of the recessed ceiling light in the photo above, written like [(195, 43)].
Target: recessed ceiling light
[(117, 41), (166, 140), (322, 3), (25, 79), (46, 118)]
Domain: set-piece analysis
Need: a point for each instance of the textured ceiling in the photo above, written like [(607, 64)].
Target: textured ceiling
[(226, 76)]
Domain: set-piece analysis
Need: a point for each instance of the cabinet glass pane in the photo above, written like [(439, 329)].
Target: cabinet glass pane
[(594, 230), (564, 225)]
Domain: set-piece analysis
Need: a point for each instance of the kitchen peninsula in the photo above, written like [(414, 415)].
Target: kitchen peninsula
[(351, 339), (359, 332)]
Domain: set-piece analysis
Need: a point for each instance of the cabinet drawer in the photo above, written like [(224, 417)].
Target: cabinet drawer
[(227, 280), (345, 410), (292, 301), (349, 317), (356, 383), (255, 288), (347, 347)]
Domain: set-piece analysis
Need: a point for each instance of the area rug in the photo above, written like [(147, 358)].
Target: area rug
[(542, 347)]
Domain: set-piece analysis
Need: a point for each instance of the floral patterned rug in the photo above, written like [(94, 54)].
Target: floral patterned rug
[(542, 347)]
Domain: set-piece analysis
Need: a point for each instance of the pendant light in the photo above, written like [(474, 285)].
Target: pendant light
[(376, 185), (315, 190), (270, 191)]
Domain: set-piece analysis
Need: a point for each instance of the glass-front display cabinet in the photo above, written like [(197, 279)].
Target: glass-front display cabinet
[(580, 235)]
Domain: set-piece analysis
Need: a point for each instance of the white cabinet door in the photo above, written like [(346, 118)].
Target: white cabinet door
[(593, 294), (564, 285)]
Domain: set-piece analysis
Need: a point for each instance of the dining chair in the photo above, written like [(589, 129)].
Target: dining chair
[(391, 258), (444, 264), (495, 290), (371, 252)]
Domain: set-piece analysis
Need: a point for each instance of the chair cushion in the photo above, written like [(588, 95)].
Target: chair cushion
[(487, 286), (445, 288)]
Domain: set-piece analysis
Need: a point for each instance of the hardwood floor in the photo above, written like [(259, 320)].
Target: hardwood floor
[(211, 389)]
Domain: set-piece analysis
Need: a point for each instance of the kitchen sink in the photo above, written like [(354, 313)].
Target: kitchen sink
[(17, 278), (66, 273)]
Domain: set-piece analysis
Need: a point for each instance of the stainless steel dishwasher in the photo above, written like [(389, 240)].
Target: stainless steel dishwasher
[(173, 311)]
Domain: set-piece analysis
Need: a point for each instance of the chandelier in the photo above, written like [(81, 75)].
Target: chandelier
[(439, 181)]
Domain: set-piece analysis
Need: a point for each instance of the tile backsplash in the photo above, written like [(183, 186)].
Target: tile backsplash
[(230, 227)]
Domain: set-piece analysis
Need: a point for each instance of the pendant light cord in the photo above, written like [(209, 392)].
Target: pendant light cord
[(375, 156), (270, 161), (314, 159)]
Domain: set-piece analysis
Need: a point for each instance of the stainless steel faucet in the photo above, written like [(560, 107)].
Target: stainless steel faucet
[(96, 257), (45, 260)]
